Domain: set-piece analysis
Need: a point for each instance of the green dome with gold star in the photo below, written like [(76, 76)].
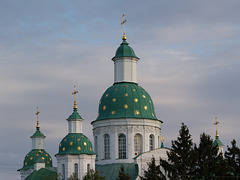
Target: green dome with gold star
[(33, 156), (126, 100), (75, 143)]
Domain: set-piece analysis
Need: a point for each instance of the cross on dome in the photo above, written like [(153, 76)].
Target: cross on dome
[(37, 118), (75, 101), (123, 23), (216, 123)]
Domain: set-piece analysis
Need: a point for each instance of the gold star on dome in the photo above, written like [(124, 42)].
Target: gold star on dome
[(113, 112), (125, 106), (135, 100), (137, 112), (145, 107), (114, 99)]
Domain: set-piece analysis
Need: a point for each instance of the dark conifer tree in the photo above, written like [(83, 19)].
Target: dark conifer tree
[(181, 159), (210, 163), (232, 156), (153, 172), (122, 175)]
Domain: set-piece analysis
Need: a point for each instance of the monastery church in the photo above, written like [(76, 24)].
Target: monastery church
[(126, 131)]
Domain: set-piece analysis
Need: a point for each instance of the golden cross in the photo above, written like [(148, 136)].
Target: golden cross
[(37, 118), (123, 23), (39, 146), (216, 123), (75, 101)]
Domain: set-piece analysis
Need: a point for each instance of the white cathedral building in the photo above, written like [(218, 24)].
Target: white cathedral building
[(126, 132)]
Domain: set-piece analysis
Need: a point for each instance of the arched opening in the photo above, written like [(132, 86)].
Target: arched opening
[(137, 144), (96, 147), (63, 171), (151, 142), (122, 152), (106, 146), (76, 169)]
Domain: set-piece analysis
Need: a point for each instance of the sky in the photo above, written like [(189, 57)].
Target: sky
[(189, 63)]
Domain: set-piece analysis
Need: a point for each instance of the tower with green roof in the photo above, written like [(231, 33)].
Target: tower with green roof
[(36, 154), (126, 125), (217, 141), (75, 154)]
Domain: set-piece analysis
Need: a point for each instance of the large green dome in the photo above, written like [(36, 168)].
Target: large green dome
[(126, 100), (75, 143), (125, 51), (33, 156)]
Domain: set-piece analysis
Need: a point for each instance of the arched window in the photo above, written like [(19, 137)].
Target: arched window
[(96, 147), (122, 146), (137, 144), (63, 171), (106, 146), (151, 142), (88, 167), (76, 169)]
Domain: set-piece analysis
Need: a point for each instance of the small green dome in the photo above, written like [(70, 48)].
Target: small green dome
[(126, 100), (125, 51), (217, 142), (75, 143), (33, 156), (38, 133), (75, 115)]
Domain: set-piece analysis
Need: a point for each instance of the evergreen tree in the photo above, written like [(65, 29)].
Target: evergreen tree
[(210, 164), (122, 175), (153, 172), (181, 159), (232, 156), (93, 175), (73, 177)]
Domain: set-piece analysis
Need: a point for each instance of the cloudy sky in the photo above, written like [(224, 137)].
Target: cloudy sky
[(189, 63)]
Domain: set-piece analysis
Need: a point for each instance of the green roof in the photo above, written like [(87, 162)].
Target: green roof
[(43, 173), (38, 133), (125, 51), (33, 156), (111, 171), (75, 143), (75, 115), (126, 100), (217, 142)]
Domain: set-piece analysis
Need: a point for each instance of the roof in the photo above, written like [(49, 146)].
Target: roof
[(125, 51), (43, 173), (75, 143), (126, 100), (111, 171), (217, 142), (33, 156), (74, 115), (38, 133)]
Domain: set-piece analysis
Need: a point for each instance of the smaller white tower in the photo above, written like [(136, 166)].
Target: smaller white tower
[(75, 153), (37, 157)]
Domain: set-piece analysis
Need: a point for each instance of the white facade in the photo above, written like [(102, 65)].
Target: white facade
[(37, 143), (130, 128), (74, 125), (145, 158), (25, 173), (125, 69), (79, 164)]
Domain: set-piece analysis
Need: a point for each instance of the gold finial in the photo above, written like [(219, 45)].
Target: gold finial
[(162, 139), (123, 23), (75, 101), (37, 119), (39, 146), (216, 123)]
